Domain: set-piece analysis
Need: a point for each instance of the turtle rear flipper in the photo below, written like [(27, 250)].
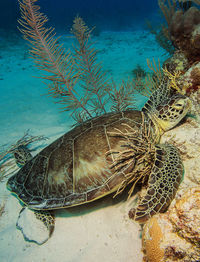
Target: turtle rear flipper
[(163, 183), (35, 226)]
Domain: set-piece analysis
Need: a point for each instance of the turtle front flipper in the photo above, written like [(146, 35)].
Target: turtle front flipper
[(36, 226), (163, 183)]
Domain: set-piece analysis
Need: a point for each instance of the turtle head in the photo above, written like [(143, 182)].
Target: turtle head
[(168, 109), (170, 113)]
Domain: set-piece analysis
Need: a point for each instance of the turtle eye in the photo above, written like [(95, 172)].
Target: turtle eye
[(179, 104)]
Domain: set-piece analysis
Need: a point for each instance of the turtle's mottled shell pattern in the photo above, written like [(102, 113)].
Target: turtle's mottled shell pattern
[(73, 169)]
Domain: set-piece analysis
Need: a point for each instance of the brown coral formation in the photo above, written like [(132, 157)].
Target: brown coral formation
[(195, 97), (184, 30), (185, 216), (177, 62), (190, 82), (175, 235), (191, 79)]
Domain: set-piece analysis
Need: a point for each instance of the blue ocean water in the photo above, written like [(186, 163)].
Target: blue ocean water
[(104, 14), (121, 37)]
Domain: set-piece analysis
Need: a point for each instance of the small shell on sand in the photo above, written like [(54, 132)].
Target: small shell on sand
[(175, 235)]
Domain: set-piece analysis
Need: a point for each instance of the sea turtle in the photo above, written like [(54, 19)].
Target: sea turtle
[(106, 153)]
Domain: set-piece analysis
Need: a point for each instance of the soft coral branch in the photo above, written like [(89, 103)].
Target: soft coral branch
[(65, 71), (122, 98), (92, 77), (50, 56)]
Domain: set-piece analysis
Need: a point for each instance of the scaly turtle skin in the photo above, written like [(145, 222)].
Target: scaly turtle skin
[(22, 155), (84, 164)]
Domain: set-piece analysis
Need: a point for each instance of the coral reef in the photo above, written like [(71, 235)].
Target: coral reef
[(185, 216), (185, 32), (182, 69), (192, 78), (195, 97), (183, 26), (175, 235), (177, 62)]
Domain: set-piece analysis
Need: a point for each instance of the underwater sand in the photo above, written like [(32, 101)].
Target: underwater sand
[(100, 231)]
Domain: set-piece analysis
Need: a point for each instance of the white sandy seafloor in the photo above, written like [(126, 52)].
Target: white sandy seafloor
[(100, 231)]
